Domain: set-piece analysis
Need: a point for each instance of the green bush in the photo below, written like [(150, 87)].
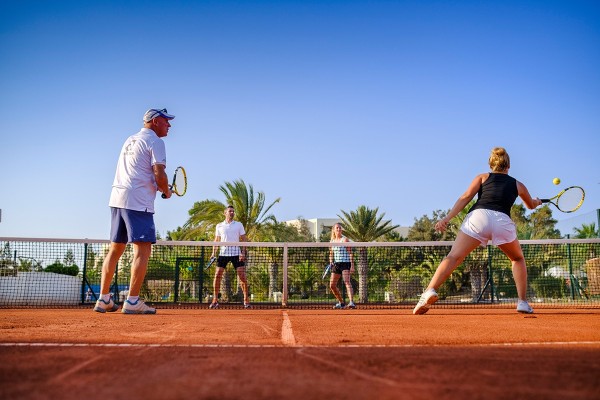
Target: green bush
[(58, 268), (505, 284), (548, 286)]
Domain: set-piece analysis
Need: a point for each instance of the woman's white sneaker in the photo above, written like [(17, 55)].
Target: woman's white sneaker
[(428, 297), (524, 307)]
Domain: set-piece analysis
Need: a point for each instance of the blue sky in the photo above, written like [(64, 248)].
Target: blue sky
[(326, 104)]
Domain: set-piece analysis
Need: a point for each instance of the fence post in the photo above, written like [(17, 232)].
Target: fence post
[(491, 272), (176, 284), (84, 272), (284, 297), (201, 264), (116, 284), (570, 262)]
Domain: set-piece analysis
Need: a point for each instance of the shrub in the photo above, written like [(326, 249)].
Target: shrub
[(548, 286), (58, 268)]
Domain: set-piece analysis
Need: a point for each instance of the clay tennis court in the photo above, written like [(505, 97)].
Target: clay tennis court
[(306, 354)]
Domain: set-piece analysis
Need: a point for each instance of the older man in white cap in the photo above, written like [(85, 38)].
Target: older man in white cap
[(140, 174)]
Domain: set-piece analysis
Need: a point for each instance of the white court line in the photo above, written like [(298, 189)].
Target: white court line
[(287, 335), (170, 345)]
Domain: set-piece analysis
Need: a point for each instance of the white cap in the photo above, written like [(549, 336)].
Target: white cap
[(154, 112)]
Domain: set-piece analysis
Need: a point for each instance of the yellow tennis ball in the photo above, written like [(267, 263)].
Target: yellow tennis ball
[(556, 181)]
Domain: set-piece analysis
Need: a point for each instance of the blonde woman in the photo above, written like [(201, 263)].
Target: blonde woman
[(340, 257), (488, 219)]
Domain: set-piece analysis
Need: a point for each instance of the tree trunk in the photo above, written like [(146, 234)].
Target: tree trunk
[(478, 280), (363, 269), (226, 292), (273, 273), (239, 294)]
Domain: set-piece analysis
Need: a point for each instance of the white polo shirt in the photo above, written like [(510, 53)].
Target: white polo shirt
[(134, 186), (230, 232)]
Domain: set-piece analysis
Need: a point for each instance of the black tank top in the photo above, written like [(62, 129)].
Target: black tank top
[(497, 193)]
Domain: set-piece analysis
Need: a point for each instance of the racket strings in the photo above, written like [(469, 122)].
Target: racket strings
[(570, 200), (180, 183)]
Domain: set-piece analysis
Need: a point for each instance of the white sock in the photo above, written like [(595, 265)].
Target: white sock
[(105, 297), (132, 299)]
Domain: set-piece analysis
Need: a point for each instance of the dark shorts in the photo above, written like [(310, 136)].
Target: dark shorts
[(338, 267), (222, 261), (128, 226)]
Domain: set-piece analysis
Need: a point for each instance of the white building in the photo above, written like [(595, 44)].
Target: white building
[(316, 226)]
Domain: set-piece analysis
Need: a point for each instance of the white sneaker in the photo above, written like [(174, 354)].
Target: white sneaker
[(103, 306), (428, 297), (524, 307), (139, 307), (351, 305)]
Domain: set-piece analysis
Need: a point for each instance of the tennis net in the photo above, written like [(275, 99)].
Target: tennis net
[(67, 272)]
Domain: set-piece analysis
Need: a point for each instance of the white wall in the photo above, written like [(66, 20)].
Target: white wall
[(40, 288)]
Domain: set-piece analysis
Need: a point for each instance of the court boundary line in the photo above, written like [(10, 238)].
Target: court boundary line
[(287, 334), (169, 345)]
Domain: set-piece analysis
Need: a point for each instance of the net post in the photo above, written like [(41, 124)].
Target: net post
[(284, 297)]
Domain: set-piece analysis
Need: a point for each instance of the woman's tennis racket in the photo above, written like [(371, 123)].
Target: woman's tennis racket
[(210, 262), (327, 270), (568, 200), (179, 185)]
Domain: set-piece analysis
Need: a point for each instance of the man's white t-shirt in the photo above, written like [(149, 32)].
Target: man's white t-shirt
[(230, 232), (134, 186)]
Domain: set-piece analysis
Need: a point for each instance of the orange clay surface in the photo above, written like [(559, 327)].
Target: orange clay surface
[(300, 354)]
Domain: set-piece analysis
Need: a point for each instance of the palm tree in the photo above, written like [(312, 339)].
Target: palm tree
[(303, 277), (274, 231), (364, 225), (586, 231), (250, 209), (204, 217)]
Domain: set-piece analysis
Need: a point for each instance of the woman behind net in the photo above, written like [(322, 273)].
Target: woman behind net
[(488, 219), (340, 257)]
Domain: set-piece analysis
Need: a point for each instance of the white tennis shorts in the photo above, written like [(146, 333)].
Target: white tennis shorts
[(486, 225)]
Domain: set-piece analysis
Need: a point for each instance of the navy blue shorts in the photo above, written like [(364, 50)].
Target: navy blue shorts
[(128, 226)]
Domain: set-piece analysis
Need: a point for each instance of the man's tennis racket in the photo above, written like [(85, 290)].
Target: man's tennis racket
[(179, 185), (211, 262), (327, 270), (568, 200)]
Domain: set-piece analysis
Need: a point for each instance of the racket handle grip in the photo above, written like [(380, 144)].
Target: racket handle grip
[(545, 200), (164, 196)]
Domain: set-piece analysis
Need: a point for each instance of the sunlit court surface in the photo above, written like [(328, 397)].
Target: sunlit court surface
[(233, 353)]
